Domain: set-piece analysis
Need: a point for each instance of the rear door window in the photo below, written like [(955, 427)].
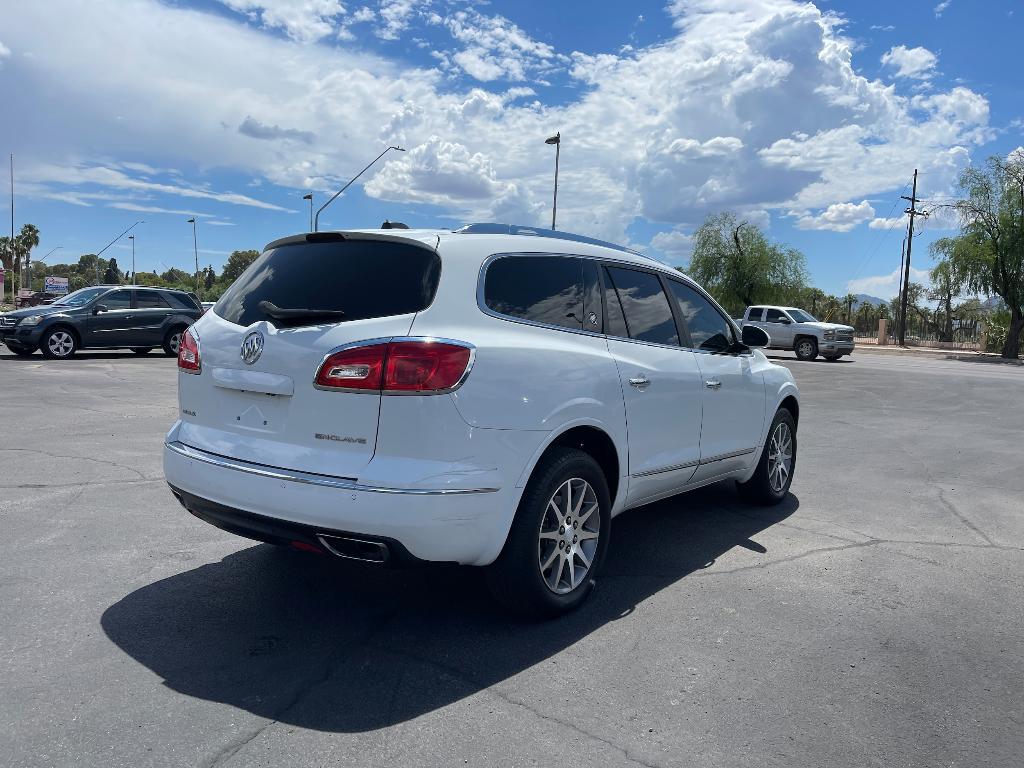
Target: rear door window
[(150, 300), (647, 314), (357, 279), (541, 289)]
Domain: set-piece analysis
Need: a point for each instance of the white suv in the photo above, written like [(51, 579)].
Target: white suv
[(492, 396)]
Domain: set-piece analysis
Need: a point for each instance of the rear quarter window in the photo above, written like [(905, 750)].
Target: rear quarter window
[(541, 289), (361, 278)]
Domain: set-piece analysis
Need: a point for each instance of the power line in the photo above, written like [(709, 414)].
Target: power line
[(881, 235)]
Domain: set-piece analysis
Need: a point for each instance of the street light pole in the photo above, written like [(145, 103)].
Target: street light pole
[(310, 198), (133, 226), (316, 220), (557, 141), (195, 248), (132, 238)]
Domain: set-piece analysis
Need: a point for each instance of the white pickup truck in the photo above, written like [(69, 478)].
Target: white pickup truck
[(797, 330)]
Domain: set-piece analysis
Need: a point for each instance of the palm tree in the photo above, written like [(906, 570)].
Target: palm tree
[(849, 299), (24, 242)]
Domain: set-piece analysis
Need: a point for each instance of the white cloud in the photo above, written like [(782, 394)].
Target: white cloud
[(496, 48), (5, 52), (303, 20), (838, 217), (917, 63), (887, 223), (395, 15), (752, 107), (886, 286), (883, 27), (676, 245), (157, 209), (941, 7)]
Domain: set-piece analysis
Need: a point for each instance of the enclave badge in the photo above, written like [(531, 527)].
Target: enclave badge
[(252, 347)]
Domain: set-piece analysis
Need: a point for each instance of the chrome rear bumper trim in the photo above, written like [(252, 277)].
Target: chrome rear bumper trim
[(307, 478)]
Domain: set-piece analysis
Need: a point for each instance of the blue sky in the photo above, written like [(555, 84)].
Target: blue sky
[(807, 120)]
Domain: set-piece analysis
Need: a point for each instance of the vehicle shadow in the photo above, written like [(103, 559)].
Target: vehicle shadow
[(10, 357), (309, 641), (846, 360)]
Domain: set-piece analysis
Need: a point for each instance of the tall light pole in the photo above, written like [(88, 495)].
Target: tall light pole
[(12, 233), (557, 141), (132, 238), (195, 248), (310, 198), (316, 220), (133, 226)]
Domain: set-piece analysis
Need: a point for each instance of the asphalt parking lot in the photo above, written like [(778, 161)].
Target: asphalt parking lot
[(875, 619)]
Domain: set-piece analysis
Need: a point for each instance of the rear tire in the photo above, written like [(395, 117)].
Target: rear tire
[(58, 344), (558, 538), (21, 351), (806, 348), (774, 474), (172, 341)]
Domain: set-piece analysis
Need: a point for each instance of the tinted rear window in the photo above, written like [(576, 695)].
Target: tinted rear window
[(542, 289), (361, 278)]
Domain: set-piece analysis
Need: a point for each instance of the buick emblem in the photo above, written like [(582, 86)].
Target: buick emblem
[(252, 347)]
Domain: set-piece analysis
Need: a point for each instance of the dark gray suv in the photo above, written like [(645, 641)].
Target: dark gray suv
[(102, 317)]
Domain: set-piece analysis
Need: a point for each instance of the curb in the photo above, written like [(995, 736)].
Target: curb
[(938, 354)]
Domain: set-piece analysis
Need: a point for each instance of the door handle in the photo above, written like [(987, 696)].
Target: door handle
[(713, 384), (639, 382)]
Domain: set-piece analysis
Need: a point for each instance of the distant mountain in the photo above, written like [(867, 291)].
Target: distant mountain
[(863, 298)]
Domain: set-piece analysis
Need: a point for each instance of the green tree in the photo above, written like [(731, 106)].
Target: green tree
[(112, 275), (739, 267), (238, 261), (849, 300), (209, 278), (947, 285), (989, 252)]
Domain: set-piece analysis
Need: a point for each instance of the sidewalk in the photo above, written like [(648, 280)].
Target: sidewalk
[(935, 353)]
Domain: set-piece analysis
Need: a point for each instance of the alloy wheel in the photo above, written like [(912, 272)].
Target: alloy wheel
[(175, 342), (568, 536), (780, 457), (806, 348), (60, 343)]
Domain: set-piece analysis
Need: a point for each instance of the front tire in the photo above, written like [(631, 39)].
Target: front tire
[(806, 348), (172, 341), (774, 474), (58, 344), (558, 538), (21, 351)]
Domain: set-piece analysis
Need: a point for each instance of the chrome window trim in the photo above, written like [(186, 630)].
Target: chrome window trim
[(691, 464), (601, 260), (386, 340), (309, 478)]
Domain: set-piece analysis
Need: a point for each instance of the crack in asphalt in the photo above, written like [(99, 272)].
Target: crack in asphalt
[(494, 690), (51, 455)]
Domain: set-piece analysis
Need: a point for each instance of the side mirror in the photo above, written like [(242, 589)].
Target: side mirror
[(99, 308), (785, 321), (755, 337)]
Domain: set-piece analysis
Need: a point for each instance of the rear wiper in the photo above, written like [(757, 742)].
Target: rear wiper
[(296, 313)]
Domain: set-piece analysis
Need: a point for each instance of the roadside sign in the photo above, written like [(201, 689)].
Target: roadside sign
[(56, 285)]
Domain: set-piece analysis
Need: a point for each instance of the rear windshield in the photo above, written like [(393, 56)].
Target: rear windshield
[(358, 278)]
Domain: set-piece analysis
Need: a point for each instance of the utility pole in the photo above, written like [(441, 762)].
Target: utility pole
[(12, 233), (912, 211)]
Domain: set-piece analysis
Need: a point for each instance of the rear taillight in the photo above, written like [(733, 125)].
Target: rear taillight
[(188, 352), (359, 368), (398, 366)]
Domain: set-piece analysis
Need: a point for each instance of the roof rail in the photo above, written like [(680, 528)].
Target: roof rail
[(515, 229)]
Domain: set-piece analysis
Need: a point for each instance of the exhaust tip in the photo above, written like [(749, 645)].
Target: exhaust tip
[(355, 549)]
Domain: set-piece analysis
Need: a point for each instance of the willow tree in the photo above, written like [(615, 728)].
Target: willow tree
[(989, 252), (734, 261)]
